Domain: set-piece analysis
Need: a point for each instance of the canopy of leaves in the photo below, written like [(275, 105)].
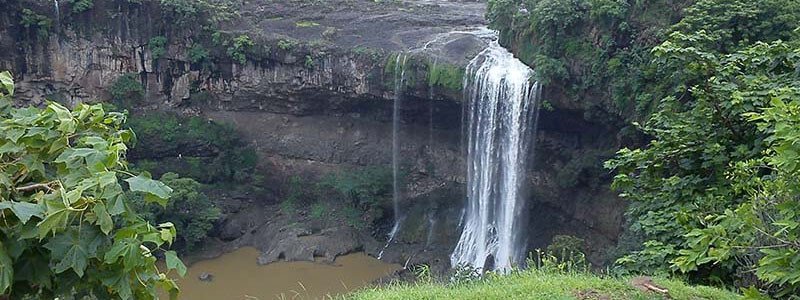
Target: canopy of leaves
[(712, 194), (66, 228)]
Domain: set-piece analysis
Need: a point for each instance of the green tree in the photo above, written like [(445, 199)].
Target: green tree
[(189, 209), (707, 195), (67, 229)]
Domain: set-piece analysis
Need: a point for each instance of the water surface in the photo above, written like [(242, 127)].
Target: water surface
[(236, 276)]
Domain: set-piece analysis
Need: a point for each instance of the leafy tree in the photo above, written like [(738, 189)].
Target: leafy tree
[(67, 229), (711, 196), (189, 209)]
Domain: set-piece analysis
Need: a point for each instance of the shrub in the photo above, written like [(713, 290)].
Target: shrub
[(287, 44), (192, 212), (363, 188), (197, 54), (158, 46), (79, 6), (309, 62), (238, 47), (564, 246), (127, 90), (31, 20)]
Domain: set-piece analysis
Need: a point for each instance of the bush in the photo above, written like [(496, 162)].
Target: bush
[(31, 20), (66, 228), (287, 44), (79, 6), (365, 188), (192, 212), (197, 54), (238, 47), (158, 47), (566, 246), (127, 91), (298, 194)]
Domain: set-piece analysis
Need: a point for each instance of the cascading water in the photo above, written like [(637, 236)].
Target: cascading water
[(399, 81), (58, 14), (501, 116)]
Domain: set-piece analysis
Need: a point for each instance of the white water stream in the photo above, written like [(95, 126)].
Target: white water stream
[(501, 116)]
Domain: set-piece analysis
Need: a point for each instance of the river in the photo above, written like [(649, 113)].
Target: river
[(237, 276)]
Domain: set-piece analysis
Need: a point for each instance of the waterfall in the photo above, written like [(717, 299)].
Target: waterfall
[(399, 81), (500, 118), (58, 15)]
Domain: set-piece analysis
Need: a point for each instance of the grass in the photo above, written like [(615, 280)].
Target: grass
[(537, 284)]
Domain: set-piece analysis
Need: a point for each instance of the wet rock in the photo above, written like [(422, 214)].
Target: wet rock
[(298, 244), (207, 277)]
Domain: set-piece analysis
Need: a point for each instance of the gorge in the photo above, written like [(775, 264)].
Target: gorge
[(372, 86), (399, 149)]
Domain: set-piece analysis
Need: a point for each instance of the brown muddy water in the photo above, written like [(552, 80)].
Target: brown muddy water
[(237, 276)]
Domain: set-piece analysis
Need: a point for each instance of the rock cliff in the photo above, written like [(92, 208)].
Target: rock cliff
[(314, 95)]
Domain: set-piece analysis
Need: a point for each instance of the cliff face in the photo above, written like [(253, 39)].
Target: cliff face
[(315, 95)]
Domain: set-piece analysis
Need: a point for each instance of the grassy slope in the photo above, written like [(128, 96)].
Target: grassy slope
[(541, 285)]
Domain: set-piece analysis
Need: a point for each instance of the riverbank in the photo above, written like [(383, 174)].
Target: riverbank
[(536, 284)]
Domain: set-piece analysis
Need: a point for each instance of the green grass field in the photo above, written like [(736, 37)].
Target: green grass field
[(535, 284)]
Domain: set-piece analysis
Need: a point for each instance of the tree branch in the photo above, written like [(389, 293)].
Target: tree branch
[(36, 186)]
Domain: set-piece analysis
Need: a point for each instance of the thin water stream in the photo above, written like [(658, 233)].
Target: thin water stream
[(236, 276)]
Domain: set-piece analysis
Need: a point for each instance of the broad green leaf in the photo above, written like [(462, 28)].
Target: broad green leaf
[(73, 248), (168, 285), (6, 84), (103, 218), (175, 263), (25, 210), (6, 269), (129, 250), (120, 283), (143, 183), (53, 222), (66, 122)]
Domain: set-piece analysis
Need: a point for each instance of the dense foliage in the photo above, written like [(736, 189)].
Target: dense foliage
[(192, 212), (711, 195), (596, 51), (67, 228), (714, 194)]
